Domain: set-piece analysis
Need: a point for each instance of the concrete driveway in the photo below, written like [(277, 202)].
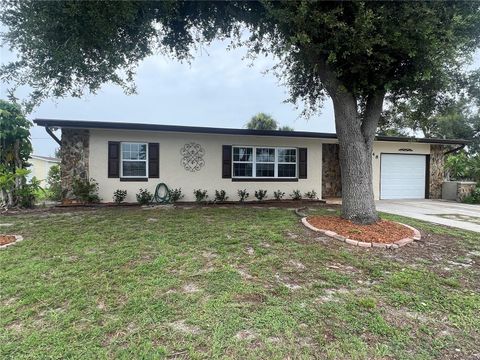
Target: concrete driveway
[(443, 212)]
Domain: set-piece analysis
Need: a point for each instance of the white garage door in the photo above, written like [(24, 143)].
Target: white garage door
[(402, 176)]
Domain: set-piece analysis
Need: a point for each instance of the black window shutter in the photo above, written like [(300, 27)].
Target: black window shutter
[(153, 160), (302, 163), (113, 159), (226, 161)]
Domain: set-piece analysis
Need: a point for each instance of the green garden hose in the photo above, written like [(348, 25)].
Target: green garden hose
[(162, 199)]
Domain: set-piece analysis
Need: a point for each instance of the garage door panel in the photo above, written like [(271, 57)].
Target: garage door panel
[(402, 176)]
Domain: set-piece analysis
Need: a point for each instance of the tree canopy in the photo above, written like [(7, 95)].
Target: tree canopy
[(399, 47), (15, 145), (262, 121), (453, 114)]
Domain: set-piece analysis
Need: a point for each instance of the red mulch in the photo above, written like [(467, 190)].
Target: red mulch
[(384, 231), (6, 239)]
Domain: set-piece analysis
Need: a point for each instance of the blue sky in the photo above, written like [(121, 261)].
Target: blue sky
[(219, 88)]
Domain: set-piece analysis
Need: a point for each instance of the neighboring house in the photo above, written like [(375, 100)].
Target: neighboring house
[(131, 156), (40, 165)]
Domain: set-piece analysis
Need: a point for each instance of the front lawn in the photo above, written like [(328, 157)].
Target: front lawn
[(230, 283)]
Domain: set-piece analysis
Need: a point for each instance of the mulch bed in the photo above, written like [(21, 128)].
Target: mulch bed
[(384, 231), (7, 239)]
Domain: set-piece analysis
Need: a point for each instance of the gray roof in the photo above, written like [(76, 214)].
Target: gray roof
[(82, 124)]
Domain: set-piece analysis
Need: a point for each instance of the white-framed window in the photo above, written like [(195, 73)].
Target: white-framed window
[(264, 162), (242, 161), (134, 160)]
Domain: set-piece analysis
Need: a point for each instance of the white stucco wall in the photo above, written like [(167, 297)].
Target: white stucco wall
[(210, 176), (390, 147)]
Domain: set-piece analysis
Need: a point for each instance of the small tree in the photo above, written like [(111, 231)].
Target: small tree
[(54, 183), (15, 151), (262, 121)]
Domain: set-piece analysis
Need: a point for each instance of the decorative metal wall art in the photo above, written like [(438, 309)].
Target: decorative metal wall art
[(192, 157)]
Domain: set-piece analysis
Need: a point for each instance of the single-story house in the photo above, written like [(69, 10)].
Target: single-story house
[(40, 166), (130, 156)]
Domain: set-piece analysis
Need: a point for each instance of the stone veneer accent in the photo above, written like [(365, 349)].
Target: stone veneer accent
[(464, 189), (437, 158), (75, 152), (331, 175)]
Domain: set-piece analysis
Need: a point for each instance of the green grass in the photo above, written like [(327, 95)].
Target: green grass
[(207, 283)]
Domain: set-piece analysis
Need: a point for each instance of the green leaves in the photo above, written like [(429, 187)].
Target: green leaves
[(67, 48), (14, 136)]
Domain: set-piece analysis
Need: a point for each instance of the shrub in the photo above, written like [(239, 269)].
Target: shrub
[(278, 195), (312, 195), (243, 195), (119, 196), (296, 195), (474, 197), (462, 166), (260, 194), (175, 195), (144, 197), (220, 196), (200, 195), (54, 183), (28, 193), (85, 190)]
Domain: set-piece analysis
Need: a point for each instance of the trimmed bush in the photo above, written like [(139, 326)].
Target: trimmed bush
[(220, 196), (260, 194), (278, 195), (175, 195), (296, 195), (119, 196), (144, 197), (200, 195), (243, 195), (312, 195)]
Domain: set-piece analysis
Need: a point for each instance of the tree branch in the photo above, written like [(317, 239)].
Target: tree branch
[(373, 109)]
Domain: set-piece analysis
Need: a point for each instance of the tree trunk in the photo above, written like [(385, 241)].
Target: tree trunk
[(356, 133)]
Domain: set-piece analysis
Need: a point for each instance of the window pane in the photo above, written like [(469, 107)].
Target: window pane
[(242, 169), (287, 170), (134, 151), (266, 170), (265, 155), (134, 168), (242, 154), (287, 155)]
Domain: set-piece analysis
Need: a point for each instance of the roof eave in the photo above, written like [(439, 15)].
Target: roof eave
[(57, 123)]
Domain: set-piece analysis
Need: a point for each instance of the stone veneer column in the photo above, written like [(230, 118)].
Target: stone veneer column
[(75, 152), (436, 170), (331, 175)]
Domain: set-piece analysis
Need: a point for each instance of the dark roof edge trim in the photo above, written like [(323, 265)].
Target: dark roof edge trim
[(224, 131)]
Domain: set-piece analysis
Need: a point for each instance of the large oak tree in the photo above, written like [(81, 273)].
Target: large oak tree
[(353, 52)]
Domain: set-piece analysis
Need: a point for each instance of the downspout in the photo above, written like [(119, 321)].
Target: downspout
[(53, 136)]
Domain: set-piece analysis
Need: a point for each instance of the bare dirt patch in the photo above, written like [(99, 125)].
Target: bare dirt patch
[(183, 327), (7, 239), (384, 231), (190, 288)]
